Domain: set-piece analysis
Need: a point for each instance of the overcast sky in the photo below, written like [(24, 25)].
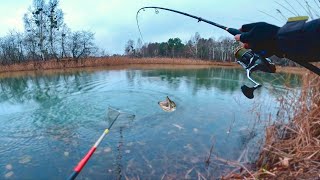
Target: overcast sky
[(114, 21)]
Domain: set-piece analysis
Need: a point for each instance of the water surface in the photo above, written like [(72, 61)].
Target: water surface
[(48, 122)]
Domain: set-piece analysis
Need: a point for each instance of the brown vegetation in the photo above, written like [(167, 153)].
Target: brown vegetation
[(292, 149), (100, 62), (125, 62), (292, 144)]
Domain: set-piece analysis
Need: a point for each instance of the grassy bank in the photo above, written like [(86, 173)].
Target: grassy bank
[(101, 62), (66, 65), (292, 148), (292, 141)]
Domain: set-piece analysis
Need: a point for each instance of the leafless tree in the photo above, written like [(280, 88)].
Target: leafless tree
[(54, 24), (11, 48), (81, 44), (129, 48), (35, 25)]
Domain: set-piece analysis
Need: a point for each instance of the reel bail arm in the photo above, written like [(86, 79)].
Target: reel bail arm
[(253, 62)]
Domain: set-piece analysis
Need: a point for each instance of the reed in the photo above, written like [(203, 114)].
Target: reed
[(292, 142), (292, 147)]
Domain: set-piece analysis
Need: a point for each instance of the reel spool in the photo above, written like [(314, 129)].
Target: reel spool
[(252, 62)]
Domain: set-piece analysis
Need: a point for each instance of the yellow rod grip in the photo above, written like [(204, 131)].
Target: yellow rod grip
[(298, 18)]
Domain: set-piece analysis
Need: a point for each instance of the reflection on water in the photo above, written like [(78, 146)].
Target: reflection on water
[(48, 122)]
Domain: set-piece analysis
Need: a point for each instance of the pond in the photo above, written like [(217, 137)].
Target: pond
[(49, 121)]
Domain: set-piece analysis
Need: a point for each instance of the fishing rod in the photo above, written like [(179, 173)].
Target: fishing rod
[(249, 60)]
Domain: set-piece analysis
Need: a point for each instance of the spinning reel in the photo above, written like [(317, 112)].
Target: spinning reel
[(253, 62)]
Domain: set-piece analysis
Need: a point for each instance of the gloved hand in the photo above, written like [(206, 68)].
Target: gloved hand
[(260, 37)]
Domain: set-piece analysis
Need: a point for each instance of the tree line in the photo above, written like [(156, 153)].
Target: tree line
[(221, 49), (46, 36), (197, 47)]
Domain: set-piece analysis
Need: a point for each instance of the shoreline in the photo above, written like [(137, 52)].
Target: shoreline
[(118, 63), (107, 61)]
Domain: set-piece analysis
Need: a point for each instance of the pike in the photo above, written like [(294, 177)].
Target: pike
[(167, 105)]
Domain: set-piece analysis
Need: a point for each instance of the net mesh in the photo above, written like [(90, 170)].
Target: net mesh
[(124, 118)]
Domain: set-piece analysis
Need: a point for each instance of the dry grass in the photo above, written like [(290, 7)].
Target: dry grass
[(125, 63), (293, 149), (292, 145), (293, 70), (100, 62)]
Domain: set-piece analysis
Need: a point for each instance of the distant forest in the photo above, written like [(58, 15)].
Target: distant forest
[(197, 48), (46, 36), (211, 49)]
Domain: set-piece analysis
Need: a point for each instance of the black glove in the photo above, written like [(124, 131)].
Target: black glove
[(261, 38)]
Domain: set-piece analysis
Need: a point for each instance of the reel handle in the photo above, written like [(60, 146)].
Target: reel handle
[(248, 91)]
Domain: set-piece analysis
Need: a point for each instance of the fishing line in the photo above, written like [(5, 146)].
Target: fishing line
[(232, 31), (272, 16), (287, 9)]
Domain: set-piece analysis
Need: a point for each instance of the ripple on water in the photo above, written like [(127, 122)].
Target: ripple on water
[(99, 85), (17, 132), (88, 110), (7, 108), (70, 116)]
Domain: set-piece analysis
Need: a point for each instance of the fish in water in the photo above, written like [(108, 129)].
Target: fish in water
[(167, 105)]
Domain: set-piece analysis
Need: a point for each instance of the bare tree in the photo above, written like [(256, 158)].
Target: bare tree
[(42, 23), (63, 36), (195, 41), (11, 49), (35, 25), (55, 23), (81, 44), (129, 48), (139, 49)]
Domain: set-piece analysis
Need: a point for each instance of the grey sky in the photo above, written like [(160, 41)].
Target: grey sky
[(114, 21)]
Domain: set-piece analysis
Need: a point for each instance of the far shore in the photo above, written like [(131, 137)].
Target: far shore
[(91, 64)]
